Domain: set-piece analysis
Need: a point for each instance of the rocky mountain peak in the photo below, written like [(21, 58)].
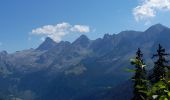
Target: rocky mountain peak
[(83, 41), (47, 44), (156, 28)]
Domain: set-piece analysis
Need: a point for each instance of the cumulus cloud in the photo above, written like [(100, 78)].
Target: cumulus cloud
[(58, 31), (148, 9), (80, 28)]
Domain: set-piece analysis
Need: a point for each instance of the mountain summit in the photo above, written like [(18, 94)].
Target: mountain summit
[(83, 41), (47, 44), (156, 28)]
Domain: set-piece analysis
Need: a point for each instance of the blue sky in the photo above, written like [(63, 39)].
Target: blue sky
[(18, 19)]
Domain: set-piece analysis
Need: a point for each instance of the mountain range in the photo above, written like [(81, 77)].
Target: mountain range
[(82, 70)]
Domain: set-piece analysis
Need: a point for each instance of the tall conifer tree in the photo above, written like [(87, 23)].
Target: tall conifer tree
[(160, 83), (140, 83), (160, 68)]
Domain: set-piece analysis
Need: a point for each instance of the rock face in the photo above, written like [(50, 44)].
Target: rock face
[(78, 70), (47, 44)]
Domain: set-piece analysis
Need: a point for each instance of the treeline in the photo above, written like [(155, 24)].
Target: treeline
[(153, 84)]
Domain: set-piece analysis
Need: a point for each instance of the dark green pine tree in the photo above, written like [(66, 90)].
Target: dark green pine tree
[(160, 68), (140, 83), (160, 84)]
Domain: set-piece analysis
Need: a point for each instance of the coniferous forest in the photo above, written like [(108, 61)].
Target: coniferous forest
[(151, 84)]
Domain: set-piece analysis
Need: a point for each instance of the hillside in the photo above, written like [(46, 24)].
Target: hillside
[(79, 70)]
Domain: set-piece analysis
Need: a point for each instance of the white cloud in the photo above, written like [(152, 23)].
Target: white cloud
[(80, 28), (148, 9), (58, 31)]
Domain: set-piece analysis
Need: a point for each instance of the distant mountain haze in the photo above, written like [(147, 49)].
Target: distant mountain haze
[(82, 70)]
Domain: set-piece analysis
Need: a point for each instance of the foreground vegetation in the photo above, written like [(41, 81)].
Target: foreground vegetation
[(154, 84)]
